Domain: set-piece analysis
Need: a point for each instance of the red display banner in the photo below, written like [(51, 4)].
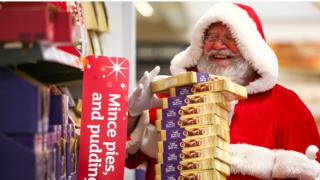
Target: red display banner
[(104, 118)]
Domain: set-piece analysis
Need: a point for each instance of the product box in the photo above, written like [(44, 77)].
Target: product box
[(68, 149), (35, 21), (57, 146), (182, 79), (195, 142), (26, 24), (24, 104), (63, 155), (230, 90), (32, 142), (74, 154), (198, 98), (51, 154), (59, 111), (192, 120), (194, 154), (63, 27), (194, 131), (187, 165), (21, 157), (204, 163), (192, 109), (194, 175)]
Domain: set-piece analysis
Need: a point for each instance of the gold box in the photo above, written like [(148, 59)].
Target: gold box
[(197, 98), (194, 143), (194, 131), (193, 120), (192, 109), (201, 164), (182, 80), (198, 175), (195, 154)]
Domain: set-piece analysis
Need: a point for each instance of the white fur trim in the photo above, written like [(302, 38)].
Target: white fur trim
[(251, 160), (250, 43), (292, 164), (232, 107), (149, 143), (311, 152), (134, 144)]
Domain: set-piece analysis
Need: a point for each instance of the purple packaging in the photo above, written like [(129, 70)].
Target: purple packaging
[(192, 132), (173, 134), (181, 91), (179, 144), (171, 156), (191, 109), (169, 168), (24, 104), (21, 153), (173, 102), (169, 124), (192, 120), (168, 113), (179, 80)]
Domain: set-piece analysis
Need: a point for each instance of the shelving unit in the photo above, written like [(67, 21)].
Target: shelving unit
[(46, 64), (38, 136), (50, 150)]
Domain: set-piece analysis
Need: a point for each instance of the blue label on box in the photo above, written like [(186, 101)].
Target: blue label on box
[(183, 90), (202, 77), (170, 168), (170, 176), (171, 145), (171, 156), (170, 123), (174, 134), (177, 101), (170, 113)]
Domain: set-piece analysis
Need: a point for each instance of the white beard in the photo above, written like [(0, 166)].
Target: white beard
[(239, 71)]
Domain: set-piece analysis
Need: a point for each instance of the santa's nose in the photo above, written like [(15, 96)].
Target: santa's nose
[(217, 45)]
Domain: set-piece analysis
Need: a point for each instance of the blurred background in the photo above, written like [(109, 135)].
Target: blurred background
[(147, 34), (291, 28)]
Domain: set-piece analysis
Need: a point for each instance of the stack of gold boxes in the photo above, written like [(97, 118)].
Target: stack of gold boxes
[(195, 140)]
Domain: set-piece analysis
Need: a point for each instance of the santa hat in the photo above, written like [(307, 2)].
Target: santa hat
[(246, 28)]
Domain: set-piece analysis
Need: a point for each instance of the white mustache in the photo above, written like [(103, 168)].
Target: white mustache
[(222, 52), (238, 72)]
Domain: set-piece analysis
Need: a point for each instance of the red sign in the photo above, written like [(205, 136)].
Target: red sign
[(104, 118)]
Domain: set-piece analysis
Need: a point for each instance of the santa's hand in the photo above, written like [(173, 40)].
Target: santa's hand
[(142, 98)]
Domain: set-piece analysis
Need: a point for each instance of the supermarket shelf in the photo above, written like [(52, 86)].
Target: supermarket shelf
[(75, 87), (45, 63)]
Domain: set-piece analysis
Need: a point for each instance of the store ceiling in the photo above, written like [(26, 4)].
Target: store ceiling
[(172, 21)]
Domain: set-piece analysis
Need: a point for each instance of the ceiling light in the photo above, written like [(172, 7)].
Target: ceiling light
[(144, 8)]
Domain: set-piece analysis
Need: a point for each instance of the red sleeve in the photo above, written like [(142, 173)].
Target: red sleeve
[(297, 128), (152, 111), (134, 160)]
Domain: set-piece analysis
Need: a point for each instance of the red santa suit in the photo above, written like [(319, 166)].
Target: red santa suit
[(270, 131)]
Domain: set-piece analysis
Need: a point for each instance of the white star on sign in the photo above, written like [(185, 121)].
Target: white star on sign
[(116, 68)]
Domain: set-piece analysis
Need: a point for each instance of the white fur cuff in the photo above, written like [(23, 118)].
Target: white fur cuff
[(292, 164), (149, 143), (252, 160), (133, 145)]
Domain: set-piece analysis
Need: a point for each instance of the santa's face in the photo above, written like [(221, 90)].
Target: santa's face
[(219, 45), (221, 55)]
